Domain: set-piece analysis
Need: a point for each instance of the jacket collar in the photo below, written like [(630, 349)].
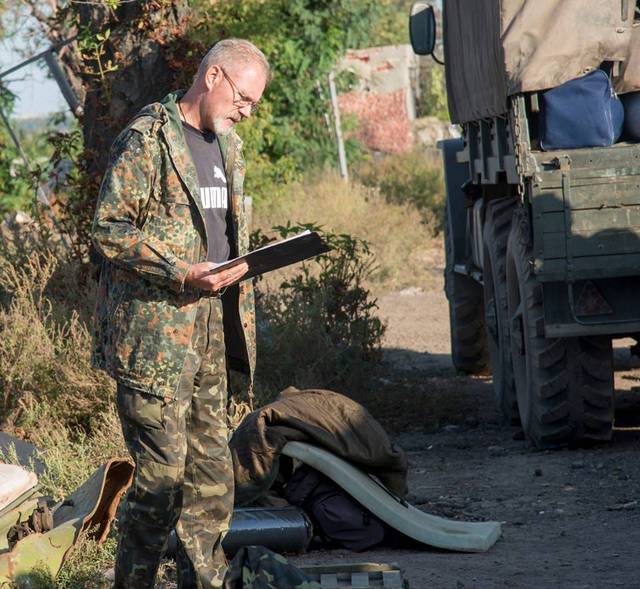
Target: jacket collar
[(177, 145), (179, 151)]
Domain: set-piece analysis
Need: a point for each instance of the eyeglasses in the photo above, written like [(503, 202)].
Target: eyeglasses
[(242, 100)]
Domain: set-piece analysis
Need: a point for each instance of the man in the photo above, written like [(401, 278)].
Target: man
[(170, 208)]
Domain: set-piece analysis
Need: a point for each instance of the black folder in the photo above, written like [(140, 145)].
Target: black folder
[(279, 254)]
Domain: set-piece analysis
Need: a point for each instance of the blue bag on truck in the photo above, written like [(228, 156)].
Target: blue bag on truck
[(584, 112)]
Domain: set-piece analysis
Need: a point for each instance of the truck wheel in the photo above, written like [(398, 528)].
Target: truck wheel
[(466, 317), (564, 386), (496, 233)]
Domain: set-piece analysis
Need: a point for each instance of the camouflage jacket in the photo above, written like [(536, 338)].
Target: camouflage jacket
[(149, 227)]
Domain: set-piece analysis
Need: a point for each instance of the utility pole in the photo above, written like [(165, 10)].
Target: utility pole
[(342, 158)]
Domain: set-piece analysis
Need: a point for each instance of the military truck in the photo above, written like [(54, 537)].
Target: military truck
[(542, 247)]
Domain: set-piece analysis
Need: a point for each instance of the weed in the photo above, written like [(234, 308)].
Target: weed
[(433, 92), (45, 347), (399, 240), (86, 564), (414, 178), (83, 568), (70, 456), (67, 456), (319, 328)]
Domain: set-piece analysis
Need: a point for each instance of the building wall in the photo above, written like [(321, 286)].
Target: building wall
[(383, 100)]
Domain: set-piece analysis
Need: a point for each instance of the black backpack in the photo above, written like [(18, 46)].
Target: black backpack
[(338, 516)]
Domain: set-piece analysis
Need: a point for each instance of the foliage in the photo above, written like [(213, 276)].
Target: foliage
[(392, 26), (414, 177), (93, 50), (70, 187), (286, 138), (289, 136), (14, 177), (69, 455), (433, 93), (86, 564), (319, 329), (20, 177)]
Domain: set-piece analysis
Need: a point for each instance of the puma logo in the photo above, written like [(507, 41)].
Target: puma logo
[(214, 197), (219, 174)]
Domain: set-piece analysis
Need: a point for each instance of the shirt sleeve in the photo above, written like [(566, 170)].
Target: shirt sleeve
[(122, 205)]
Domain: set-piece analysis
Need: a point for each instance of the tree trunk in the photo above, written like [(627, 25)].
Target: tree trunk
[(123, 59), (139, 46)]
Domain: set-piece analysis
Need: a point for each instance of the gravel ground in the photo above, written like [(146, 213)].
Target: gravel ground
[(571, 518)]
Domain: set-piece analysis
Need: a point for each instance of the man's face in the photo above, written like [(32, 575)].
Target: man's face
[(231, 95)]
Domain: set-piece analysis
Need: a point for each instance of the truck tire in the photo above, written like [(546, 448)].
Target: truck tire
[(564, 386), (469, 351), (495, 235)]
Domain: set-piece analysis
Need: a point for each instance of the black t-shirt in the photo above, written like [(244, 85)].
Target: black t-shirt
[(214, 196)]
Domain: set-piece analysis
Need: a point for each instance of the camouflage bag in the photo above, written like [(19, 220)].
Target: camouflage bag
[(257, 567)]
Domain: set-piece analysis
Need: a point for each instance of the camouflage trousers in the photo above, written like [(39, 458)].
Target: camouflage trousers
[(184, 474)]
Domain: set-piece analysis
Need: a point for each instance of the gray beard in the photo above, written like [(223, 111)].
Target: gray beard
[(219, 128)]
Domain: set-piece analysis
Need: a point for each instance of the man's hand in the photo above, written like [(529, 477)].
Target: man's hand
[(200, 276)]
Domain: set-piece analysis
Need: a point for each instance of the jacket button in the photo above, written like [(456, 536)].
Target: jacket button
[(245, 325)]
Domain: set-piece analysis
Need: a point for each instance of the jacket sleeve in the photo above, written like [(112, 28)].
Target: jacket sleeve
[(122, 204)]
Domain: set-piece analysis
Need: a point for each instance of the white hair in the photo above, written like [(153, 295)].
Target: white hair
[(234, 53)]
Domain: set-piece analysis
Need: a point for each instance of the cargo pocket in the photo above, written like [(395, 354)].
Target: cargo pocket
[(153, 427), (142, 410)]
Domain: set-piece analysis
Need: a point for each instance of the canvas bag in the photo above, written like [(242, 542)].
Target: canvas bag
[(339, 517), (584, 112)]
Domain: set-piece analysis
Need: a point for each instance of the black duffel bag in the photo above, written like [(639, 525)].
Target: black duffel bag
[(337, 516)]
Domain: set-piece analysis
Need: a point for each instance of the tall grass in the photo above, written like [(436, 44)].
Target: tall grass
[(321, 330), (402, 243), (45, 346)]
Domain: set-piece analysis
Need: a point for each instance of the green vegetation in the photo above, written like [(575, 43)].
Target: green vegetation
[(14, 174), (414, 177), (399, 241), (319, 329), (433, 91), (288, 136), (22, 172), (44, 343)]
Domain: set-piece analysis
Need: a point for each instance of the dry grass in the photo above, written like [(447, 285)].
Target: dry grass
[(45, 347), (414, 177), (399, 238)]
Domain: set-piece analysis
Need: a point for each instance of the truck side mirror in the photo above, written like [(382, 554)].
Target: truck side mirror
[(422, 28)]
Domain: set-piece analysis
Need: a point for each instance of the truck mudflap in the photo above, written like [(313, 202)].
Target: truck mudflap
[(456, 175)]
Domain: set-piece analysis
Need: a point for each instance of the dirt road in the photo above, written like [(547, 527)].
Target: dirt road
[(571, 517)]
